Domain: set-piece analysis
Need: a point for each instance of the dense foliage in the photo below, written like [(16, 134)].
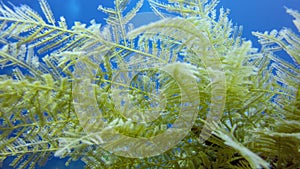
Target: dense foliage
[(107, 95)]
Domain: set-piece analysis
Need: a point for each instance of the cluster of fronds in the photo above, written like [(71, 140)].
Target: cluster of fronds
[(40, 116)]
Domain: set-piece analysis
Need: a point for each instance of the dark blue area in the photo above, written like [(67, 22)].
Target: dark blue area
[(253, 15), (53, 163), (260, 15)]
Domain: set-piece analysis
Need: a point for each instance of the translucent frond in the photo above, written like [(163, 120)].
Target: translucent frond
[(284, 39), (47, 11), (254, 160), (136, 82), (25, 26), (190, 8), (296, 15), (133, 12)]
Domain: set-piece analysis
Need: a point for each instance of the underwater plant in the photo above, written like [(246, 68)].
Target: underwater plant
[(183, 92)]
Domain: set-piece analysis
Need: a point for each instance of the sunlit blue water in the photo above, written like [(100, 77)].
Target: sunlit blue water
[(253, 15)]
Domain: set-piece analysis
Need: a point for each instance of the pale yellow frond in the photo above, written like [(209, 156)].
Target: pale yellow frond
[(296, 15), (47, 11)]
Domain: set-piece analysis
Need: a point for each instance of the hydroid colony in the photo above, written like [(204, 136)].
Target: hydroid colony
[(116, 96)]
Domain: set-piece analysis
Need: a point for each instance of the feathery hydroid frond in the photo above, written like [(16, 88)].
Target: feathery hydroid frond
[(260, 121), (47, 11), (296, 15)]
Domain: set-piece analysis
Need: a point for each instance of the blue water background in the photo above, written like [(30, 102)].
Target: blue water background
[(253, 15)]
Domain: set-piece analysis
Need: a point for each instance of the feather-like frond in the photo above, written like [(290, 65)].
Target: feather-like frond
[(284, 39), (258, 123), (28, 28), (47, 11), (296, 15)]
